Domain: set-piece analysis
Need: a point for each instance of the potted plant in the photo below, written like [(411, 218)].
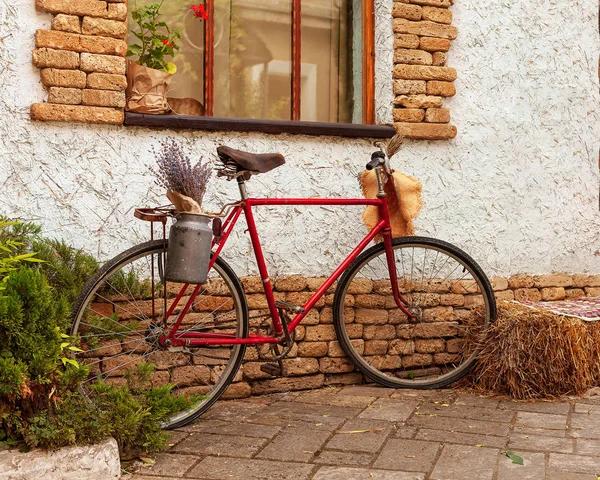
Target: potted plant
[(149, 77)]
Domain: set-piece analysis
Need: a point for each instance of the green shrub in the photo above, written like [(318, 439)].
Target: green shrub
[(40, 403)]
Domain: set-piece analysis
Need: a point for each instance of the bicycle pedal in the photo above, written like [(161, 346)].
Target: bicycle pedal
[(271, 369), (289, 307)]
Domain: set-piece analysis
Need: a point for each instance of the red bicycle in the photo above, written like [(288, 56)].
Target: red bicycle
[(407, 311)]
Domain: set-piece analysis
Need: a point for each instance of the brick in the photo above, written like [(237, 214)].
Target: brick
[(91, 62), (418, 101), (335, 349), (103, 27), (106, 81), (592, 291), (94, 8), (426, 331), (370, 301), (360, 285), (48, 57), (66, 23), (335, 365), (117, 11), (294, 367), (437, 115), (343, 378), (499, 283), (430, 345), (520, 281), (554, 280), (253, 284), (586, 281), (67, 96), (404, 87), (300, 298), (320, 333), (409, 115), (262, 387), (312, 349), (553, 293), (426, 131), (412, 57), (377, 347), (237, 390), (314, 284), (54, 77), (505, 295), (442, 89), (424, 29), (433, 44), (422, 72), (80, 43), (438, 15), (291, 283), (434, 3), (379, 332), (252, 371), (370, 316), (439, 59), (405, 40), (529, 294), (405, 10), (401, 347), (452, 299), (76, 113), (574, 292)]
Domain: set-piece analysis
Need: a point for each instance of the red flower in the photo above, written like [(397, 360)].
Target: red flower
[(199, 11), (166, 42)]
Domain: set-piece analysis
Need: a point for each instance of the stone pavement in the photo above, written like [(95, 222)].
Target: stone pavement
[(367, 432)]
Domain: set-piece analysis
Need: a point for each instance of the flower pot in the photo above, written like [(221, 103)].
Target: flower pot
[(147, 89), (188, 253)]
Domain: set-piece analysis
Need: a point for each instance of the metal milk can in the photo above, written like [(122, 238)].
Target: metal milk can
[(188, 252)]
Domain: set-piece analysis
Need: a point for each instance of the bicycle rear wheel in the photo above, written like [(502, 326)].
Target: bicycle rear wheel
[(448, 295), (119, 322)]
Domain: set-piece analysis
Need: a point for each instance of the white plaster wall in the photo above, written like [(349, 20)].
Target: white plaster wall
[(518, 188)]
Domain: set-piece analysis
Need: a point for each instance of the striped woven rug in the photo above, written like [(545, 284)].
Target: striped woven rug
[(585, 308)]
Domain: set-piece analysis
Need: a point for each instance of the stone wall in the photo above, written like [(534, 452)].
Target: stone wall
[(422, 35), (317, 359), (82, 61)]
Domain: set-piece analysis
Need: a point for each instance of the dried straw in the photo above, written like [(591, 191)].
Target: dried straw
[(530, 354)]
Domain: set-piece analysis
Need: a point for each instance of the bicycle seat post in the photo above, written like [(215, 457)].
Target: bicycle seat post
[(242, 186)]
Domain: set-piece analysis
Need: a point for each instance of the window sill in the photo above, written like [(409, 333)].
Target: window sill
[(264, 126)]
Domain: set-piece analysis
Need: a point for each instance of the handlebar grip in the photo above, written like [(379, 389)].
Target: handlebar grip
[(376, 159)]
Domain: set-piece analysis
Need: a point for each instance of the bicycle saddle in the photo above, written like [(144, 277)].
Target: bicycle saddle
[(260, 163)]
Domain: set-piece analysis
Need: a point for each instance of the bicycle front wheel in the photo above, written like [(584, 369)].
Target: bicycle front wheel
[(450, 301), (120, 316)]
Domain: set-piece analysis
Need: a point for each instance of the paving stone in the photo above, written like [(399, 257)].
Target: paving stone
[(171, 464), (587, 447), (232, 428), (390, 410), (533, 468), (224, 468), (214, 444), (407, 455), (475, 401), (569, 476), (472, 439), (349, 459), (459, 425), (345, 473), (356, 401), (447, 396), (459, 462), (465, 411), (587, 408), (320, 417), (585, 426), (360, 441), (403, 431), (541, 443), (367, 391), (541, 424), (538, 407), (294, 444), (574, 463), (175, 436), (233, 410)]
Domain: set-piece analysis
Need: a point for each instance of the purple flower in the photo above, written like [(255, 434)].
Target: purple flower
[(175, 171)]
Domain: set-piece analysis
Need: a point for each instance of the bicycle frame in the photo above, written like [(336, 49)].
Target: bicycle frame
[(195, 339)]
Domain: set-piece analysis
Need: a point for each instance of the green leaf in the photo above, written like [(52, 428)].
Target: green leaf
[(514, 457), (64, 345), (134, 50), (75, 349), (70, 361)]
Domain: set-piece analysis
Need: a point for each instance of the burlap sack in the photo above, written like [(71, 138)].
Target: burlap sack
[(147, 89), (403, 198)]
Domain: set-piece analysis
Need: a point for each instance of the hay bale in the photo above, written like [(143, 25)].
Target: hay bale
[(531, 354)]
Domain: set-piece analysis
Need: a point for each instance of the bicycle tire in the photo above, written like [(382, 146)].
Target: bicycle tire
[(220, 366), (428, 350)]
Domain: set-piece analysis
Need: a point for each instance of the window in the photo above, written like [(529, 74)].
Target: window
[(307, 60)]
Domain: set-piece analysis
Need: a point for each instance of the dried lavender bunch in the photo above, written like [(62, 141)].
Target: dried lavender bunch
[(175, 171)]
